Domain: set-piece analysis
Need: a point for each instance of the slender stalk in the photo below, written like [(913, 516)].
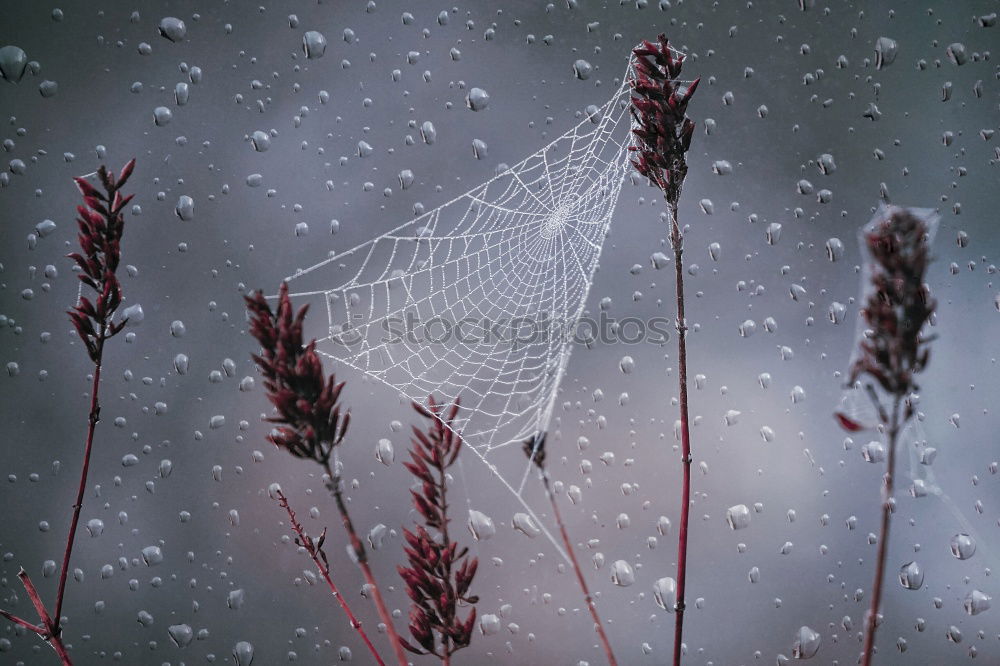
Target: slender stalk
[(883, 537), (677, 240), (92, 419), (24, 623), (318, 558), (591, 605), (362, 557), (50, 634)]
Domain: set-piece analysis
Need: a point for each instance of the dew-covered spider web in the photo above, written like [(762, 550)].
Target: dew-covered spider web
[(478, 298)]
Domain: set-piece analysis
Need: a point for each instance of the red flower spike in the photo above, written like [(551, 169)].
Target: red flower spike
[(438, 577)]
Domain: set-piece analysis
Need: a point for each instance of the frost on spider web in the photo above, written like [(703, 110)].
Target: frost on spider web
[(518, 251)]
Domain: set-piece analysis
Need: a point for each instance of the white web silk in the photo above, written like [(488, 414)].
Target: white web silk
[(517, 252)]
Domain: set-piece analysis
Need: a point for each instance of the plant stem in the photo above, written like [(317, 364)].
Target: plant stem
[(51, 634), (591, 605), (359, 552), (677, 240), (324, 571), (883, 537), (50, 629), (95, 416)]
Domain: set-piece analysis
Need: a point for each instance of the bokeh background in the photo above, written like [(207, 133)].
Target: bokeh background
[(784, 82)]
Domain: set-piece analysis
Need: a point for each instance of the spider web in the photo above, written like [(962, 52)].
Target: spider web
[(479, 297)]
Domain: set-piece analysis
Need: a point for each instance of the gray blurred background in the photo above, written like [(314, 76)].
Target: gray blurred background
[(789, 103)]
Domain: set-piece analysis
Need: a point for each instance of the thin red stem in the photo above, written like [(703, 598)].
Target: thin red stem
[(24, 623), (324, 571), (359, 551), (591, 605), (883, 537), (94, 417), (677, 239), (51, 634)]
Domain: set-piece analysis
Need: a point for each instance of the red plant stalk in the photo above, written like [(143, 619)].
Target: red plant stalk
[(534, 448), (361, 556), (883, 538), (315, 550), (892, 352), (440, 573), (663, 135), (309, 424), (101, 224)]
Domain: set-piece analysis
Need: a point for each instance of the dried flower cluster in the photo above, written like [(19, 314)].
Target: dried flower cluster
[(309, 422), (899, 304), (101, 223), (440, 572), (659, 105), (892, 352)]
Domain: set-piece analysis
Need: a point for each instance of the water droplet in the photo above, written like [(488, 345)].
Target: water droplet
[(243, 653), (172, 29), (96, 527), (185, 208), (738, 516), (235, 598), (133, 314), (525, 524), (376, 536), (181, 634), (479, 149), (873, 452), (885, 52), (384, 452), (152, 555), (956, 53), (162, 116), (13, 62), (477, 99), (622, 574), (427, 132), (911, 576), (181, 94), (489, 624), (481, 525), (627, 364), (963, 546), (261, 141), (806, 644), (313, 44), (665, 594), (976, 602)]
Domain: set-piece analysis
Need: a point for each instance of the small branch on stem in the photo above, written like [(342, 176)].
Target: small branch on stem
[(534, 448)]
